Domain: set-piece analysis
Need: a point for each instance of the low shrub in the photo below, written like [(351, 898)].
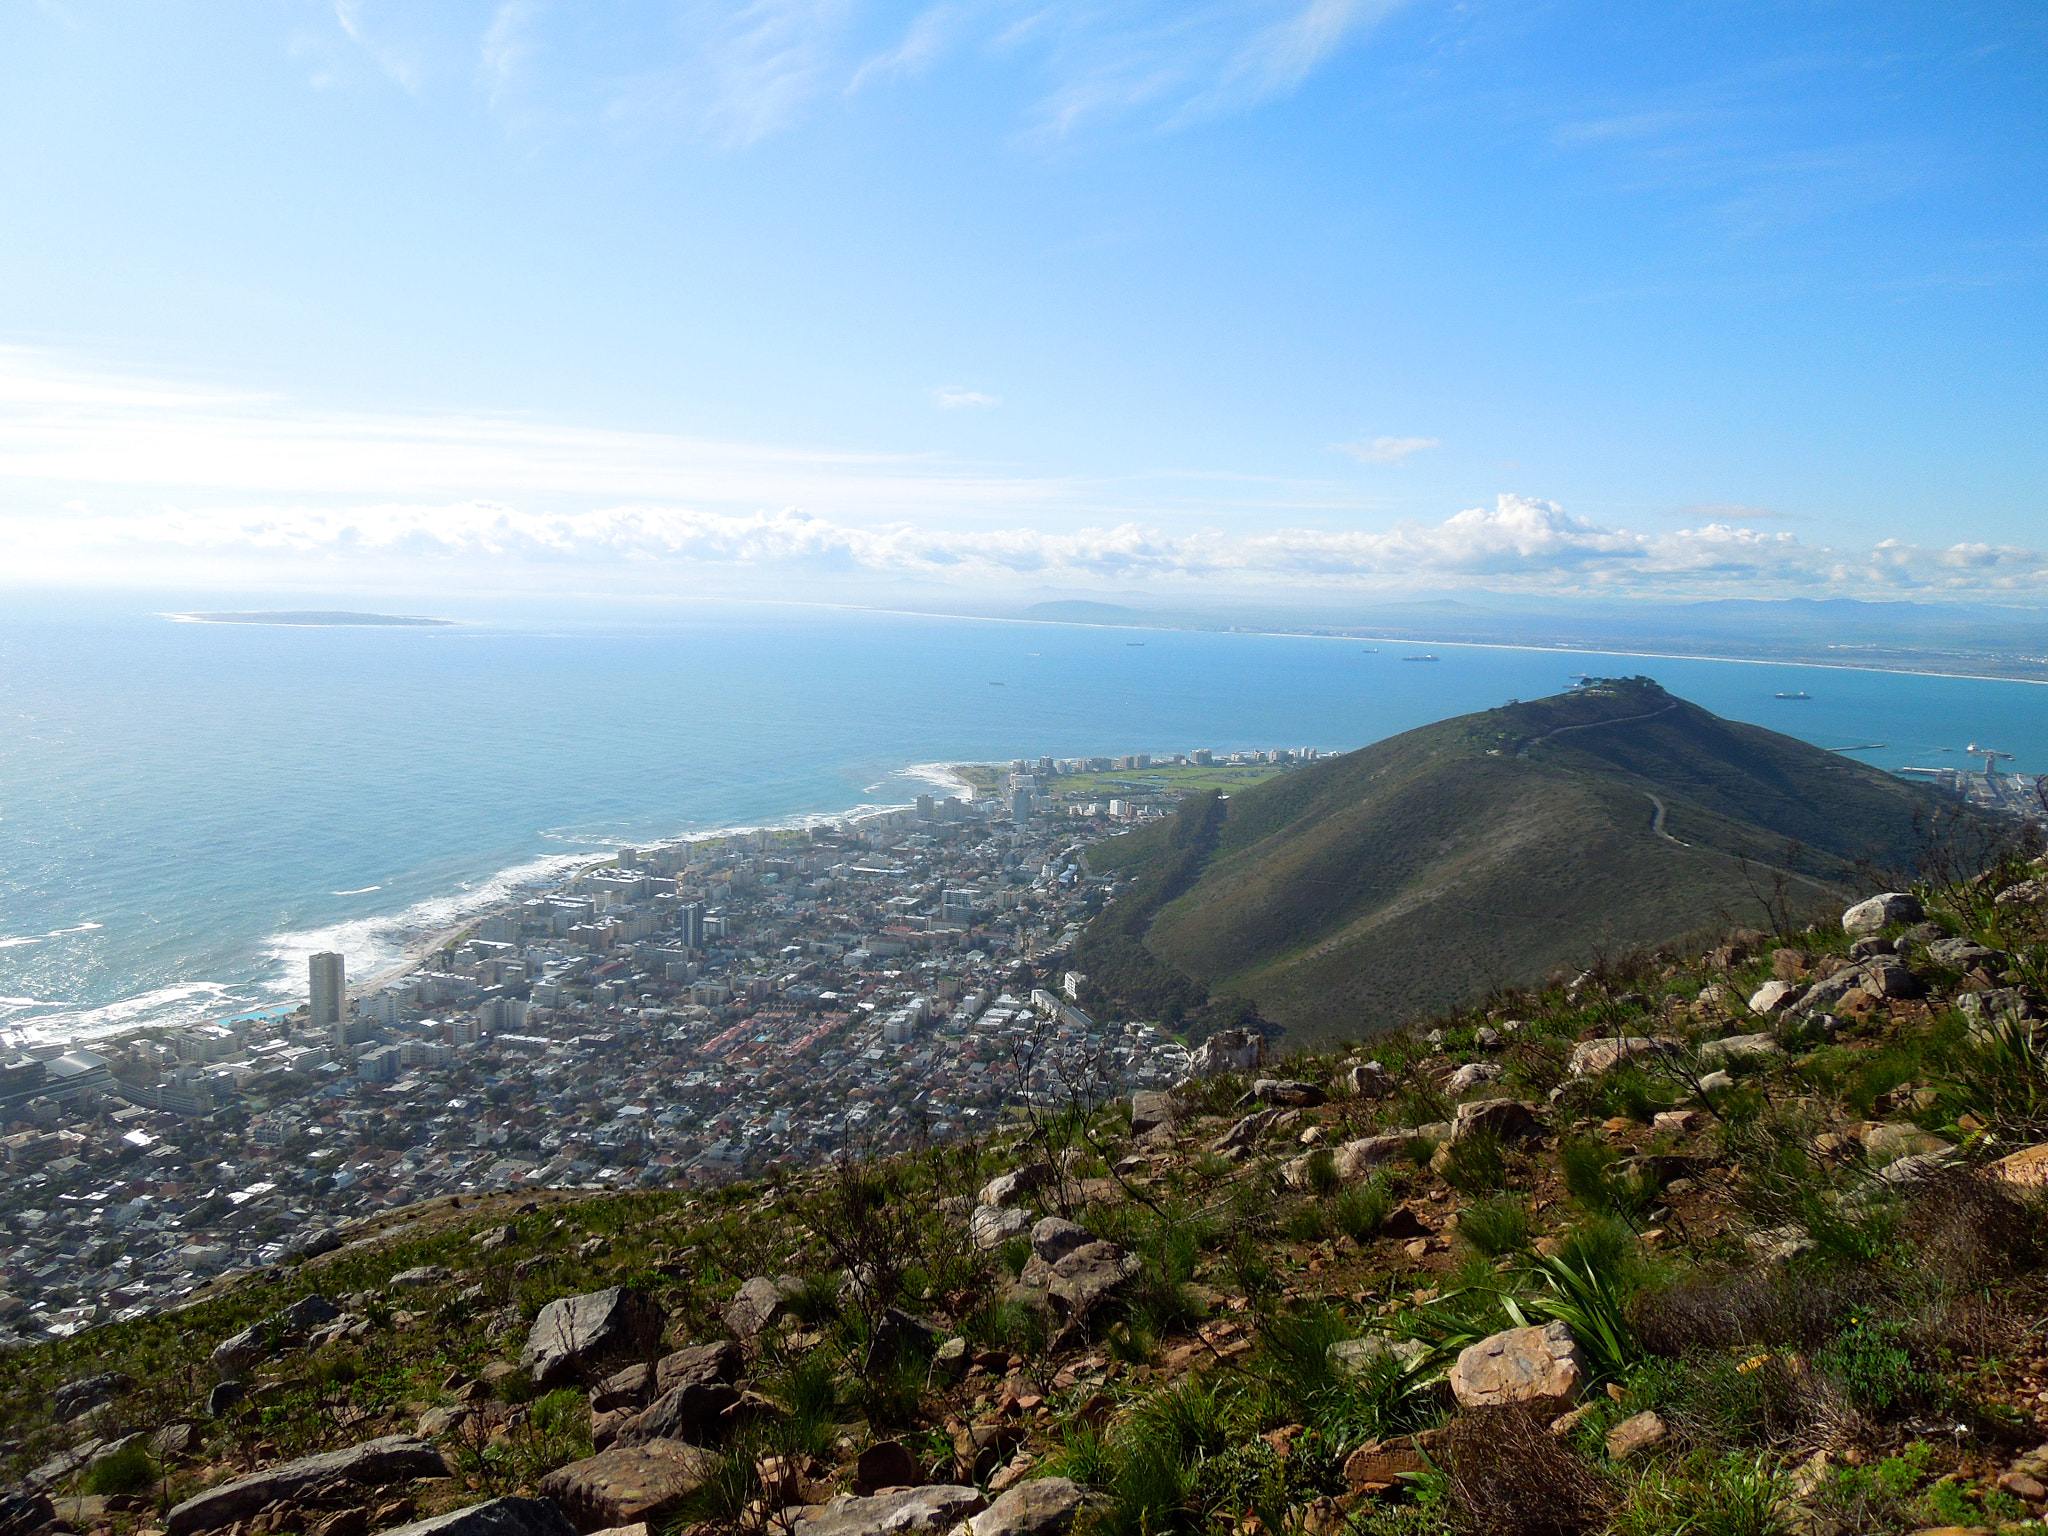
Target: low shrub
[(1509, 1476), (1362, 1209)]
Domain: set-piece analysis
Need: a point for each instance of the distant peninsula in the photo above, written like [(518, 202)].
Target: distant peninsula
[(308, 617)]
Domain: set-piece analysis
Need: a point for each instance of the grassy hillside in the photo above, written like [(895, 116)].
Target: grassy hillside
[(1413, 875), (1786, 1271)]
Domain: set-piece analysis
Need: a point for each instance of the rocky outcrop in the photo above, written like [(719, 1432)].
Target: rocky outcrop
[(235, 1356), (1228, 1050), (758, 1303), (629, 1483), (991, 1226), (1369, 1080), (1015, 1187), (1044, 1506), (1474, 1074), (1151, 1110), (1289, 1093), (496, 1517), (1503, 1119), (88, 1393), (911, 1511), (1053, 1238), (1521, 1365), (1773, 996), (1593, 1058), (391, 1459), (1881, 912), (1357, 1159), (1719, 1053), (579, 1332)]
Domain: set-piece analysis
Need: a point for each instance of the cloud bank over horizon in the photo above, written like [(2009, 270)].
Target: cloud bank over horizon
[(114, 479)]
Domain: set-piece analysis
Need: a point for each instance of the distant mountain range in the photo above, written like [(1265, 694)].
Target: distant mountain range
[(1975, 638), (1408, 877)]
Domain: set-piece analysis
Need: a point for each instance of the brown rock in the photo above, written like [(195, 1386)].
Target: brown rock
[(343, 1522), (2021, 1486), (1520, 1365), (1381, 1462), (628, 1484), (1635, 1434)]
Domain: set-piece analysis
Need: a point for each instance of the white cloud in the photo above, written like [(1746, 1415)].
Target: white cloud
[(950, 397), (1389, 450), (104, 474)]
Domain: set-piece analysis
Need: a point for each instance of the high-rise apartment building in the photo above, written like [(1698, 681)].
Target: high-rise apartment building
[(328, 989)]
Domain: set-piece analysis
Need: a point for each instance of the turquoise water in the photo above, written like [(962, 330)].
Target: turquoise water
[(187, 810)]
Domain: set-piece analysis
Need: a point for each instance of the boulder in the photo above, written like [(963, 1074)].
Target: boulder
[(306, 1314), (420, 1278), (1356, 1159), (1053, 1238), (1889, 1140), (758, 1303), (389, 1459), (1290, 1093), (239, 1353), (1504, 1119), (1472, 1075), (2026, 894), (1965, 955), (180, 1437), (1881, 912), (1718, 1053), (1635, 1434), (1015, 1187), (1228, 1050), (491, 1239), (2025, 1169), (694, 1410), (1521, 1365), (899, 1333), (1044, 1506), (223, 1397), (87, 1393), (23, 1512), (577, 1332), (1086, 1276), (1369, 1080), (1592, 1058), (991, 1226), (495, 1517), (1247, 1132), (629, 1483), (1773, 996), (885, 1464), (700, 1364), (1150, 1111), (1886, 976), (932, 1509)]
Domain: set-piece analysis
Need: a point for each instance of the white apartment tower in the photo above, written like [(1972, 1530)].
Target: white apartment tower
[(328, 990)]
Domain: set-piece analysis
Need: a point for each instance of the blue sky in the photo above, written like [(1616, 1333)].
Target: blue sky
[(824, 297)]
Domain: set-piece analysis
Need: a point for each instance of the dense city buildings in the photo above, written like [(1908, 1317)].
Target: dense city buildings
[(682, 1014)]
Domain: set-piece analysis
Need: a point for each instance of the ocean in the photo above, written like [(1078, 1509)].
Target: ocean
[(188, 810)]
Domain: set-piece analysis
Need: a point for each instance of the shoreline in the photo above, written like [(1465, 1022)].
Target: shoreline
[(1475, 645), (423, 941)]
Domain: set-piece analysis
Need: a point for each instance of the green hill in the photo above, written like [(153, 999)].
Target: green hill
[(1413, 875)]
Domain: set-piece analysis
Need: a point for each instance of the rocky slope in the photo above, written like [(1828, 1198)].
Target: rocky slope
[(1740, 1242)]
